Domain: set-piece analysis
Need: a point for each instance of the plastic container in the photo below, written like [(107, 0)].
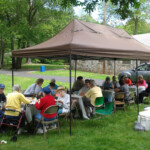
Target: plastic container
[(42, 69), (144, 119), (147, 108)]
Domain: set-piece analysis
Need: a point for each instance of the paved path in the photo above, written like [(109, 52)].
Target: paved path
[(46, 77)]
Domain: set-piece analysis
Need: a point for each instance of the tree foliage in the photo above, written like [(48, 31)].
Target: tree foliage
[(123, 6), (28, 22)]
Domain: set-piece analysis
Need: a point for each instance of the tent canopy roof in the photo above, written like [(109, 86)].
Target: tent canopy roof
[(84, 40)]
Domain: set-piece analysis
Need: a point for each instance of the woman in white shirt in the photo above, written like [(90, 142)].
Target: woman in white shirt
[(63, 101)]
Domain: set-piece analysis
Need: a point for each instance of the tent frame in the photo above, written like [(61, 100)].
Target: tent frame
[(70, 82)]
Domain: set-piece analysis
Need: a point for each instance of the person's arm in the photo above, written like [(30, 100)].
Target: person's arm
[(117, 90), (112, 86), (88, 94), (24, 99), (39, 104)]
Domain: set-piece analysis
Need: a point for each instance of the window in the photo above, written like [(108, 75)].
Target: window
[(142, 68)]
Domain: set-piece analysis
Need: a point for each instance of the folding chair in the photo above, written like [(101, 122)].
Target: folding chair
[(12, 122), (132, 100), (50, 110), (119, 102)]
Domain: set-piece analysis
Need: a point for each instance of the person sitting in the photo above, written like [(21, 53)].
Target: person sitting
[(34, 89), (54, 81), (42, 105), (14, 101), (63, 100), (145, 93), (115, 83), (50, 87), (108, 84), (127, 81), (83, 91), (123, 88), (141, 81), (78, 84), (2, 100), (90, 97)]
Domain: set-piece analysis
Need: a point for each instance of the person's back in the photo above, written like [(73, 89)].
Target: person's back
[(34, 88), (14, 101), (93, 93), (125, 88), (44, 103), (78, 84)]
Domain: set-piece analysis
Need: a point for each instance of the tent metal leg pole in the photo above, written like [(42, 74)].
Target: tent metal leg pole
[(12, 71), (137, 97), (114, 67), (70, 58), (75, 70)]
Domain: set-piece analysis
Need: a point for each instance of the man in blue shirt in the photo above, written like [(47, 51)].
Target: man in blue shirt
[(54, 81), (50, 87)]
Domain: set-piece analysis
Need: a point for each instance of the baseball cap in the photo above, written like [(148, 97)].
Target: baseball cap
[(46, 90), (2, 86)]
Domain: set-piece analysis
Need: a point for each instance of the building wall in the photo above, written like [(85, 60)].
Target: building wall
[(97, 66)]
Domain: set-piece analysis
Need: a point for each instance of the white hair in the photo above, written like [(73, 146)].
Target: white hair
[(92, 82), (16, 87)]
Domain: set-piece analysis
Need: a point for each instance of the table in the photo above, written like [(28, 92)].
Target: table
[(30, 110), (80, 101), (134, 89)]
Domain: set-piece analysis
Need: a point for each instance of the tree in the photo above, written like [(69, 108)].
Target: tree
[(29, 22), (140, 14), (123, 6)]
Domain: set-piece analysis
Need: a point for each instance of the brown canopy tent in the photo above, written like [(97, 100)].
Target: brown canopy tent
[(82, 40), (87, 39)]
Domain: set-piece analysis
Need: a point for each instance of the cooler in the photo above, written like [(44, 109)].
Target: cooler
[(144, 119)]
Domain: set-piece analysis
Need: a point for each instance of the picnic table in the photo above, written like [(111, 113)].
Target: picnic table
[(30, 110)]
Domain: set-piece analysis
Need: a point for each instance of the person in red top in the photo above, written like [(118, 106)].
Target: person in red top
[(127, 81), (42, 105)]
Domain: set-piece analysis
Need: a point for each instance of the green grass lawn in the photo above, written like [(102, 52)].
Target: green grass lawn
[(113, 132), (23, 82), (65, 73), (37, 66)]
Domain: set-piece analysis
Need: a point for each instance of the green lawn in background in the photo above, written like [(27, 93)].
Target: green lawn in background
[(112, 132), (37, 66), (65, 73)]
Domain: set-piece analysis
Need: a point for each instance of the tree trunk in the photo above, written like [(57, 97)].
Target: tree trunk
[(19, 60), (28, 60), (2, 48), (105, 13), (12, 48), (105, 23), (135, 26)]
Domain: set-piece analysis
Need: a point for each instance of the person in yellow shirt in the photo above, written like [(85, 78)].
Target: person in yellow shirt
[(90, 97), (14, 101)]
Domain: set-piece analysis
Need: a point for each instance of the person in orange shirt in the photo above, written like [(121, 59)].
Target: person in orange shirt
[(127, 81)]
